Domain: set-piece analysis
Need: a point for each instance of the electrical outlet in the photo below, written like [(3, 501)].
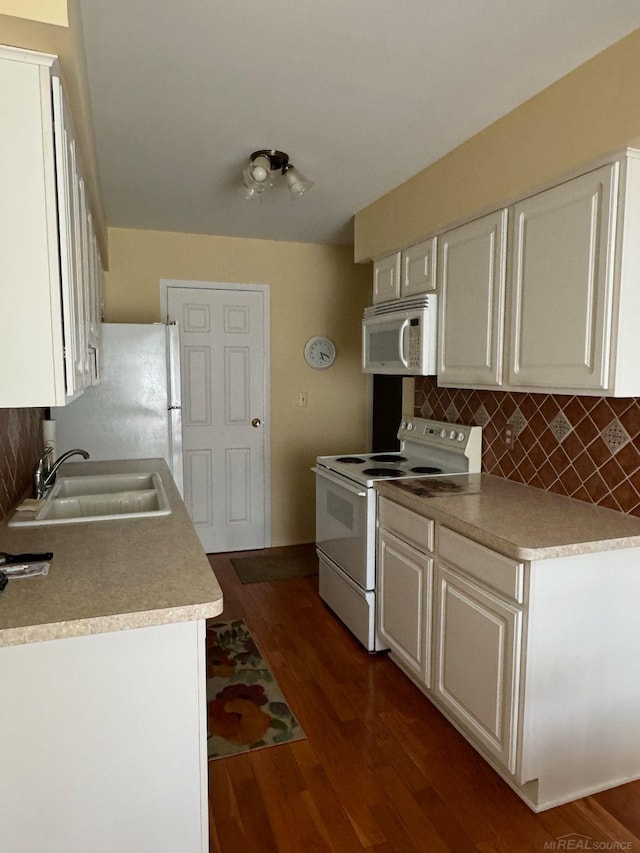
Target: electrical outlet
[(303, 398), (508, 436)]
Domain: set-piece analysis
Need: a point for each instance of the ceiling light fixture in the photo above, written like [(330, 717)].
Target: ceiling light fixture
[(257, 178)]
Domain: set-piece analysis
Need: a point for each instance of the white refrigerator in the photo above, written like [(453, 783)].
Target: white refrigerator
[(135, 411)]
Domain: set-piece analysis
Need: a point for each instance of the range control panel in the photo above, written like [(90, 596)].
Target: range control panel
[(439, 433)]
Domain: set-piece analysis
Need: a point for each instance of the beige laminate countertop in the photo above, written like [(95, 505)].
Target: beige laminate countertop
[(521, 521), (109, 575)]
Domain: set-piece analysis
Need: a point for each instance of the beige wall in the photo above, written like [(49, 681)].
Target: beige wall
[(314, 290), (47, 11), (593, 110)]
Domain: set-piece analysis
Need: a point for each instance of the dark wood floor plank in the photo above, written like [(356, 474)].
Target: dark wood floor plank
[(420, 829), (381, 769), (221, 797), (304, 827), (395, 831), (624, 804), (329, 807), (282, 819), (353, 782), (589, 818), (252, 816)]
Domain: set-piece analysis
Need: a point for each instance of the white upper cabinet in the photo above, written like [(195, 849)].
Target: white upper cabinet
[(386, 278), (405, 273), (472, 288), (419, 268), (562, 284), (49, 263), (572, 299), (72, 280)]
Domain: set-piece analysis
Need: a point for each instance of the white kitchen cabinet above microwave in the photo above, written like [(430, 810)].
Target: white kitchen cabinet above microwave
[(405, 273), (50, 270), (554, 307)]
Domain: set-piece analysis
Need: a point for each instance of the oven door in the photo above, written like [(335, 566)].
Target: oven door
[(346, 524)]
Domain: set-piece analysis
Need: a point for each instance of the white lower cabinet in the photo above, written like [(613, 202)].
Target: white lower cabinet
[(103, 743), (404, 585), (477, 662), (533, 662)]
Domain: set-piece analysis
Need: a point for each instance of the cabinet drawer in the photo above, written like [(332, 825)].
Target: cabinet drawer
[(501, 573), (406, 524)]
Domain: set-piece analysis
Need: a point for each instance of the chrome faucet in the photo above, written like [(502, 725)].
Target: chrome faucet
[(45, 475)]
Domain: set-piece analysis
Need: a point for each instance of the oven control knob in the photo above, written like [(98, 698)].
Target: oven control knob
[(443, 433), (452, 435), (460, 436), (409, 426)]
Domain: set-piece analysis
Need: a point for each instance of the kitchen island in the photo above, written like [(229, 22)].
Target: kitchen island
[(515, 611), (102, 683)]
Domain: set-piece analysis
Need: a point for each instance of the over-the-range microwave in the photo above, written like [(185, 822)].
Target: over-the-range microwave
[(399, 337)]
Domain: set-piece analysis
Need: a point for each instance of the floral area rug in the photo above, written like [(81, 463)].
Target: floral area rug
[(245, 706)]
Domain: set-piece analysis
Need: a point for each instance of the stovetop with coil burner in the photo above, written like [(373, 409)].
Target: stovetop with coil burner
[(427, 449)]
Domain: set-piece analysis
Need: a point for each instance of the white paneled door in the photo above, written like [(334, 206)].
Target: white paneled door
[(223, 364)]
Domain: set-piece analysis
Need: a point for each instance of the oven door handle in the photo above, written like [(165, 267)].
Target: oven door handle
[(401, 342), (321, 472)]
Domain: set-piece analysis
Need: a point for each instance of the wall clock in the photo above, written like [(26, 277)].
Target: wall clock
[(319, 352)]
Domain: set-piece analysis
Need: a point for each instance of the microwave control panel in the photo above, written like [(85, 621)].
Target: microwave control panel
[(415, 353)]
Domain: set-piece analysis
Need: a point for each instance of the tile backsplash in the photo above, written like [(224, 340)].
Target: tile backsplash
[(585, 447), (20, 447)]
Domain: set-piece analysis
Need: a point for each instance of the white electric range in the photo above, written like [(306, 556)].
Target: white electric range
[(346, 510)]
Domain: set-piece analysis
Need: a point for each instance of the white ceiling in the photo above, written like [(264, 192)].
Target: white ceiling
[(362, 94)]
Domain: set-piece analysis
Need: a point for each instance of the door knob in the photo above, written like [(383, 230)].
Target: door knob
[(256, 422)]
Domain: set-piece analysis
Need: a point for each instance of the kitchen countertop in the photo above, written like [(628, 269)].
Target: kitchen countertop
[(521, 521), (109, 575)]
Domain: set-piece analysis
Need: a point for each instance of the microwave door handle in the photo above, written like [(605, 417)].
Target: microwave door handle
[(403, 329)]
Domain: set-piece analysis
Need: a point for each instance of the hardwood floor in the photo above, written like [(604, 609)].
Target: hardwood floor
[(381, 769)]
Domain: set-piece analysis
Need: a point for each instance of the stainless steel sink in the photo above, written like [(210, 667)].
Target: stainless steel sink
[(105, 497)]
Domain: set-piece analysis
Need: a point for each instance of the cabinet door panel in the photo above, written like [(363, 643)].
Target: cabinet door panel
[(386, 278), (562, 283), (70, 278), (419, 268), (472, 286), (404, 603), (477, 666)]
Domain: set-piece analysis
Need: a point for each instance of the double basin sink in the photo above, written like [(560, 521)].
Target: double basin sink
[(99, 497)]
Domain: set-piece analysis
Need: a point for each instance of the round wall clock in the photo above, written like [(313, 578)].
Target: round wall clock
[(319, 352)]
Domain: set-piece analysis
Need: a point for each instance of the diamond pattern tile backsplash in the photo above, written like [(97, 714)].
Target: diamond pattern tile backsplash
[(20, 447), (584, 447)]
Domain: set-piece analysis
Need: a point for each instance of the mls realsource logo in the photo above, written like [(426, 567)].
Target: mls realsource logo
[(573, 841)]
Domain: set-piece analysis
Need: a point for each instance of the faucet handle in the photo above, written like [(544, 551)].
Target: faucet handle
[(42, 470), (45, 459)]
